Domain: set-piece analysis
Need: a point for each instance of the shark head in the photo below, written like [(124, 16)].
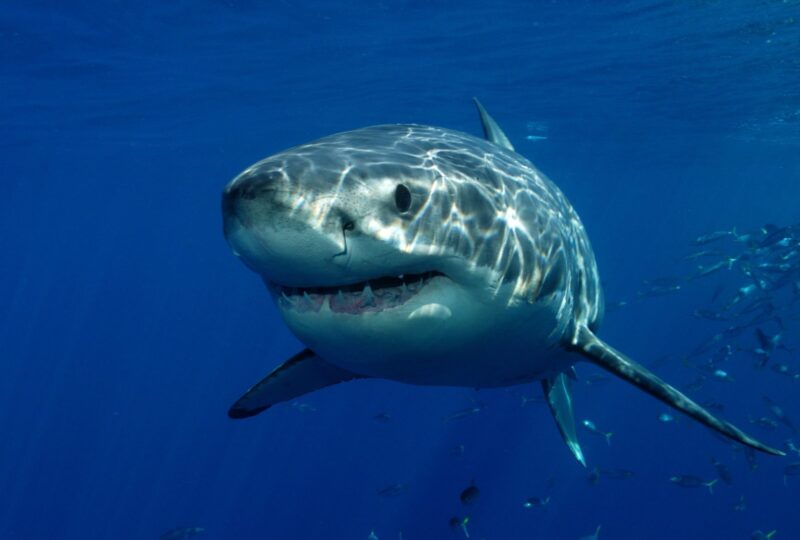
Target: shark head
[(339, 212), (389, 242)]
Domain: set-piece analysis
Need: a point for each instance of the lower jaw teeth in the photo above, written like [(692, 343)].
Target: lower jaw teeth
[(352, 302)]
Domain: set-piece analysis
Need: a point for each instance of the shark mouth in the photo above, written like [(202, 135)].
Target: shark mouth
[(367, 296)]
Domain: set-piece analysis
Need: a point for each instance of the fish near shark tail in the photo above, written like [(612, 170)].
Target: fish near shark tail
[(463, 525), (603, 355), (595, 536)]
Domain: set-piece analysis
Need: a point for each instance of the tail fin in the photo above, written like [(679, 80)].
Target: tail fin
[(710, 484), (608, 358)]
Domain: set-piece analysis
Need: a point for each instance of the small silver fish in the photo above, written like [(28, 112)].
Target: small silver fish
[(392, 490), (303, 407), (536, 502), (457, 450), (722, 375), (712, 237), (704, 253), (588, 424), (470, 494), (722, 471), (758, 535), (382, 417), (533, 399), (617, 474), (666, 418), (594, 536), (791, 446), (463, 413), (689, 481), (765, 423), (460, 523), (778, 413)]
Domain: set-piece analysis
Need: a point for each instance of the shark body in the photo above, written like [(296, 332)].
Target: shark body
[(427, 256)]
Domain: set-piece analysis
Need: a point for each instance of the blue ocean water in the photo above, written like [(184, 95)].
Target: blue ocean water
[(127, 328)]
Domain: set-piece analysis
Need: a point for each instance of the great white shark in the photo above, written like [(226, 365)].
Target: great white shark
[(427, 256)]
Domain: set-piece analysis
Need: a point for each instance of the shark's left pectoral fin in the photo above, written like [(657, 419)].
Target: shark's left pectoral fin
[(301, 374), (608, 358), (559, 398)]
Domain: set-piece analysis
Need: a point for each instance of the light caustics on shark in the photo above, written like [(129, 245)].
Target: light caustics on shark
[(427, 256)]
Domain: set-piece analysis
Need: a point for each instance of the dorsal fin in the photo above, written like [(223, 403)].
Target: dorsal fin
[(491, 131), (559, 398), (608, 358)]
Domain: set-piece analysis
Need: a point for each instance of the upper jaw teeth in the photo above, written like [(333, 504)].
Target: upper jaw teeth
[(368, 299), (373, 295)]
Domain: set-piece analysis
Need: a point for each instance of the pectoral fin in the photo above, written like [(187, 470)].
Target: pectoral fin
[(603, 355), (301, 374), (492, 131), (559, 398)]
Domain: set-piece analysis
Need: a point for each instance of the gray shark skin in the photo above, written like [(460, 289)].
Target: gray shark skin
[(427, 256)]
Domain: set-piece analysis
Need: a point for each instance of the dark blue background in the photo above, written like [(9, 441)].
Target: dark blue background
[(127, 328)]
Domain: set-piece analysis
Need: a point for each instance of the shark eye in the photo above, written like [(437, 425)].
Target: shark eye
[(402, 198)]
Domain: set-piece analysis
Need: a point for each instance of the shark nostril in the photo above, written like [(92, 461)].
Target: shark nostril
[(248, 193), (240, 191), (347, 221)]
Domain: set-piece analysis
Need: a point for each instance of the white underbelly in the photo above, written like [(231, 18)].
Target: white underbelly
[(454, 341)]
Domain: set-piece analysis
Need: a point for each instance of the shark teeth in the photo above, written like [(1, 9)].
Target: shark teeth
[(368, 296)]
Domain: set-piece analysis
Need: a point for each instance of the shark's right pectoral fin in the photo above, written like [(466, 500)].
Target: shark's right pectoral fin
[(559, 398), (301, 374), (610, 359)]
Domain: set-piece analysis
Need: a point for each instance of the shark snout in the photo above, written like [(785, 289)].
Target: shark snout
[(272, 231), (246, 200)]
